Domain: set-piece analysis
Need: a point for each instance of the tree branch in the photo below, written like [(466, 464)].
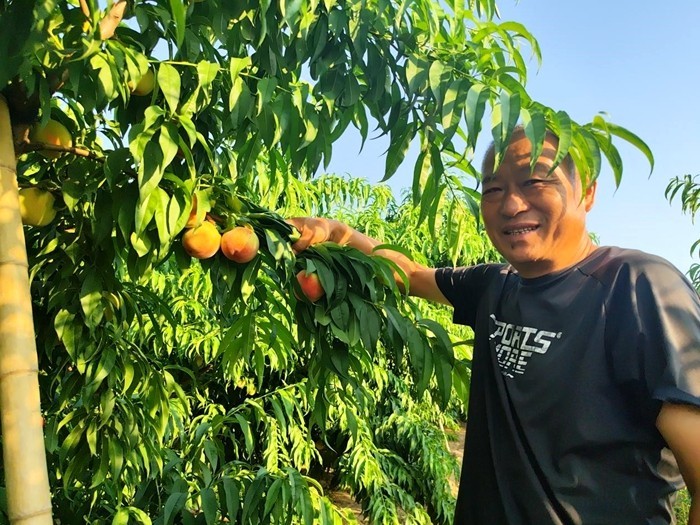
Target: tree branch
[(85, 9), (79, 152), (112, 19)]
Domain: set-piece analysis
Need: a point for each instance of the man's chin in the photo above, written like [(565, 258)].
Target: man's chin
[(522, 258)]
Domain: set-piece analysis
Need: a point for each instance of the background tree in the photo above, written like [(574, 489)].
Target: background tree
[(189, 391), (687, 189)]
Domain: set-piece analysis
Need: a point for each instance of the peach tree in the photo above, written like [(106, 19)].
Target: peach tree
[(181, 389)]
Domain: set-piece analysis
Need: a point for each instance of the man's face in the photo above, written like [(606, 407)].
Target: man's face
[(536, 221)]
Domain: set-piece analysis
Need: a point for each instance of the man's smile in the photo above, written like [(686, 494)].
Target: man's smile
[(520, 229)]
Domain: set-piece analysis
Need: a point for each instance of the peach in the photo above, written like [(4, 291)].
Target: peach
[(36, 206), (203, 241), (310, 285), (52, 133), (145, 85), (240, 244)]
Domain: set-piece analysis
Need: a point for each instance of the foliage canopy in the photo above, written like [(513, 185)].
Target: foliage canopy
[(178, 391)]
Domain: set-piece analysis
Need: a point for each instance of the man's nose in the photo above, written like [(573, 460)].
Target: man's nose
[(513, 203)]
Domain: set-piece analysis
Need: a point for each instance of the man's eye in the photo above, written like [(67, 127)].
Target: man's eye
[(488, 191), (533, 182)]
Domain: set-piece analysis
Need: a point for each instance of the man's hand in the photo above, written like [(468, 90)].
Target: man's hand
[(312, 230)]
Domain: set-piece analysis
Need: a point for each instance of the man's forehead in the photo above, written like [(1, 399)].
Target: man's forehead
[(542, 168), (520, 148)]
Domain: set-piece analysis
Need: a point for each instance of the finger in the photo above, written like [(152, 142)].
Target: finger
[(297, 224), (306, 239)]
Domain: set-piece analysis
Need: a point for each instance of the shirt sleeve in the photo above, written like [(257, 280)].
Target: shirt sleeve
[(464, 288), (653, 334)]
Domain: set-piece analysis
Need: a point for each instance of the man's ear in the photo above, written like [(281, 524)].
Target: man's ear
[(589, 197)]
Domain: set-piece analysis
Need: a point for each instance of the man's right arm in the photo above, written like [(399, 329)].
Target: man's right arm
[(313, 230)]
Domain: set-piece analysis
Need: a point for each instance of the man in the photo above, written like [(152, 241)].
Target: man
[(585, 395)]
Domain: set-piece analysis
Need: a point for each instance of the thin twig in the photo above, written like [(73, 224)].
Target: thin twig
[(79, 152)]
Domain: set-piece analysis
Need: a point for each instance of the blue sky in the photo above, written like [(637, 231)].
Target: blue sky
[(638, 62)]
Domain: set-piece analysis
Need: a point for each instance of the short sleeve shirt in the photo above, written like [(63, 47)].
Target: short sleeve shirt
[(568, 376)]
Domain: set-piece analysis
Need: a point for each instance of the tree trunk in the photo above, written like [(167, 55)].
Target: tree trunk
[(24, 455)]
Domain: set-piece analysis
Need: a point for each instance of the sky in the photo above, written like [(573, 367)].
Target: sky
[(637, 61)]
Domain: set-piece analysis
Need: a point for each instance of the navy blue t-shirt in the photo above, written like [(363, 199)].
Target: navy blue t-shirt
[(568, 376)]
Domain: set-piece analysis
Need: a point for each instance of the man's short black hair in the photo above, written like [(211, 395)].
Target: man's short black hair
[(487, 165)]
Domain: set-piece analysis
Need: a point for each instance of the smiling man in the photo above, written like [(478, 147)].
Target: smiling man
[(584, 405), (535, 220)]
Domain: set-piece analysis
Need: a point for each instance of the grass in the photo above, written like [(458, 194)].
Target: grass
[(682, 507)]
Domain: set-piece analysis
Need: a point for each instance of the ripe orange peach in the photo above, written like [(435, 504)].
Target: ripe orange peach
[(203, 241), (52, 133), (310, 285), (240, 244)]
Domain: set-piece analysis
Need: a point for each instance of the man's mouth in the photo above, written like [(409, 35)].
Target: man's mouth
[(520, 231)]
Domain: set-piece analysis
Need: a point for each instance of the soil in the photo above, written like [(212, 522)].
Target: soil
[(456, 446)]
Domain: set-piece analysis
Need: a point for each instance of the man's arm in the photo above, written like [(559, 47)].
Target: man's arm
[(312, 230), (680, 427)]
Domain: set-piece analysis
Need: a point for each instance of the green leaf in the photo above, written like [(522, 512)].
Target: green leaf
[(141, 516), (351, 92), (417, 350), (633, 139), (177, 8), (416, 74), (339, 357), (168, 140), (397, 151), (232, 492), (563, 127), (271, 498), (102, 369), (613, 156), (145, 210), (17, 33), (247, 435), (444, 360), (341, 315), (253, 495), (116, 458), (453, 107), (310, 128), (266, 89), (504, 121), (209, 505), (586, 144), (435, 75), (91, 300), (175, 503), (535, 127), (150, 170), (474, 111), (169, 84), (290, 11), (307, 508), (238, 64), (91, 438), (121, 517)]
